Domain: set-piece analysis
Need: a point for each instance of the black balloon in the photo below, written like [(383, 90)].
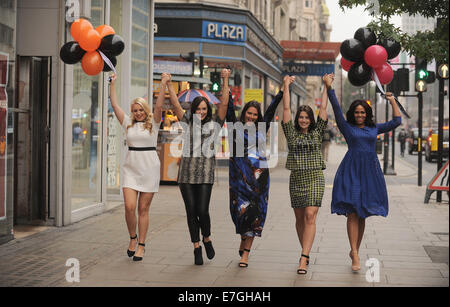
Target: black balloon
[(366, 36), (71, 53), (359, 74), (113, 60), (353, 50), (112, 44), (392, 47)]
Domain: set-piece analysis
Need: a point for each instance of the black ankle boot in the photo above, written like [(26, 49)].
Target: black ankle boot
[(198, 255), (210, 253)]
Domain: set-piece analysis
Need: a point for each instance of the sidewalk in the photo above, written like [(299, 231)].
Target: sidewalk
[(411, 244)]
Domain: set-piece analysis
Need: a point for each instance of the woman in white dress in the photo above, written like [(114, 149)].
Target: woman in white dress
[(141, 168)]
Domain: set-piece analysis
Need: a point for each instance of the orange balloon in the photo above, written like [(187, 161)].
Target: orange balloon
[(90, 40), (92, 63), (78, 27), (104, 30)]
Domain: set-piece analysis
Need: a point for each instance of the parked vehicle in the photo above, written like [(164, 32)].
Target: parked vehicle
[(413, 139), (431, 145)]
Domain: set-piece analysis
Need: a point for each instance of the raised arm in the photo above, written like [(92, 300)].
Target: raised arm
[(157, 112), (394, 123), (113, 97), (327, 81), (179, 112), (338, 115), (223, 106), (231, 115), (287, 116)]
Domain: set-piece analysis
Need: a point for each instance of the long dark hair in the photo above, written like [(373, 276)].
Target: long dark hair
[(369, 114), (194, 106), (309, 111), (248, 105)]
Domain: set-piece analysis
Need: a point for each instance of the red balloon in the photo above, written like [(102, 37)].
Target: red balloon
[(90, 40), (92, 63), (78, 27), (104, 30), (385, 73), (375, 56), (346, 64)]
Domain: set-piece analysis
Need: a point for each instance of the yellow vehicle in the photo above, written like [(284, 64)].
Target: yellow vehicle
[(431, 145)]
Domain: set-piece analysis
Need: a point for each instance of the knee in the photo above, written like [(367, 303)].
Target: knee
[(130, 209), (310, 218), (143, 211)]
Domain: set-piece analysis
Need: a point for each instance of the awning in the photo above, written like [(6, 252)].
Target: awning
[(310, 51), (186, 78)]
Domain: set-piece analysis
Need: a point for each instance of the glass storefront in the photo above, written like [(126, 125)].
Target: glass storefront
[(7, 95), (114, 130), (87, 128), (139, 49)]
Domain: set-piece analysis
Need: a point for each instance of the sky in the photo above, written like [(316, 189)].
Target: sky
[(345, 23)]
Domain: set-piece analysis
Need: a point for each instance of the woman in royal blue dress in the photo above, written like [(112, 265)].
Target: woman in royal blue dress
[(359, 188), (248, 171)]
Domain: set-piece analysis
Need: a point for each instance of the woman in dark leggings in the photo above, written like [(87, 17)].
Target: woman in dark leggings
[(196, 171)]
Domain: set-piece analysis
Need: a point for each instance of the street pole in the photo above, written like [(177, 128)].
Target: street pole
[(386, 145), (419, 144), (440, 131)]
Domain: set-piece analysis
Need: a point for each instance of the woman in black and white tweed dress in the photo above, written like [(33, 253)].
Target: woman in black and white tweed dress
[(306, 183)]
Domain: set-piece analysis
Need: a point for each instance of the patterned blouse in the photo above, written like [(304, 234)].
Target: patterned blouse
[(304, 148), (195, 167)]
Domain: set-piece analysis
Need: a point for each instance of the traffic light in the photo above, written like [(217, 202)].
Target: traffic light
[(215, 81), (421, 86), (421, 69)]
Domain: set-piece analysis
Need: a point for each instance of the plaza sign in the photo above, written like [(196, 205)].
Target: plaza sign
[(223, 31), (306, 69)]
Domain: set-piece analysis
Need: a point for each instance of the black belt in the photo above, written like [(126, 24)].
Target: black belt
[(141, 148)]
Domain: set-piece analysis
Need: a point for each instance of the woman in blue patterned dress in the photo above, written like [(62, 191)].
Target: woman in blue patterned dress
[(359, 188), (248, 171)]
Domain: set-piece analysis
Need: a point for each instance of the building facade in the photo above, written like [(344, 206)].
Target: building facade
[(63, 145)]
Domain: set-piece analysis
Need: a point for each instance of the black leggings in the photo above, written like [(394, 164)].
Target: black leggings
[(196, 200)]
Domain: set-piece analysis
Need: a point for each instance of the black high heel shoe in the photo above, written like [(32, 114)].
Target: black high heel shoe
[(135, 258), (241, 251), (131, 253), (244, 264), (303, 271), (198, 259), (210, 253)]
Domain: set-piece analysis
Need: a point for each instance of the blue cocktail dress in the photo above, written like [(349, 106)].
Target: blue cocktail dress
[(359, 186)]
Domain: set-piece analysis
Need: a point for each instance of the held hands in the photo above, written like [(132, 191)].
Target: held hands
[(328, 80), (225, 74), (288, 80), (166, 78)]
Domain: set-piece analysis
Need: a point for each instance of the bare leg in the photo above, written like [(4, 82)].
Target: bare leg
[(353, 235), (361, 228), (130, 198), (308, 233), (247, 245), (145, 199), (300, 223)]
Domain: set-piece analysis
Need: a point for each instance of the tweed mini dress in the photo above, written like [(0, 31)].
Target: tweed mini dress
[(306, 182)]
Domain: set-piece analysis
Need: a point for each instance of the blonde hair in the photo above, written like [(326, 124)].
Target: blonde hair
[(148, 121)]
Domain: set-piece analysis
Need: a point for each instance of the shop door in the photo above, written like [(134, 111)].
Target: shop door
[(31, 166)]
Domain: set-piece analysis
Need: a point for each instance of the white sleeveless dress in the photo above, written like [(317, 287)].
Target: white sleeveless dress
[(141, 169)]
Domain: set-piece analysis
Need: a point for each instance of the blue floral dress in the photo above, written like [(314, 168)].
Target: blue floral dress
[(359, 186), (249, 178)]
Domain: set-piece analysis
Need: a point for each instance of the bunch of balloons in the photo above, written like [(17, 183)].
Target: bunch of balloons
[(363, 56), (97, 49)]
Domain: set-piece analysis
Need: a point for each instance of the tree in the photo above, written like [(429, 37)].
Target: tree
[(427, 44)]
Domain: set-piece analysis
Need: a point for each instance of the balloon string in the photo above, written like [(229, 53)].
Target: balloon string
[(107, 61), (377, 81)]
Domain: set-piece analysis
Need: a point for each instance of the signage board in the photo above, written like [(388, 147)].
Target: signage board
[(307, 69), (253, 94), (224, 31)]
